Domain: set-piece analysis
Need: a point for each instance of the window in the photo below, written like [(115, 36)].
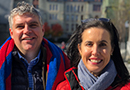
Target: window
[(76, 17), (71, 9), (50, 16), (78, 8), (53, 16), (76, 25), (72, 17), (50, 7), (75, 9), (56, 7), (98, 0), (67, 10), (53, 7), (67, 27), (72, 27), (81, 8), (67, 17), (96, 7), (81, 17)]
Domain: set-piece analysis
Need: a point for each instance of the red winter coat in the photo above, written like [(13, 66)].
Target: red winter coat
[(72, 82)]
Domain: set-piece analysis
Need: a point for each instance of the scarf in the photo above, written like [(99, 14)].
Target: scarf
[(57, 63), (90, 82)]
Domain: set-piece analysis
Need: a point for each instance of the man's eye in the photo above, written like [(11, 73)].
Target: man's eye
[(20, 27), (33, 25)]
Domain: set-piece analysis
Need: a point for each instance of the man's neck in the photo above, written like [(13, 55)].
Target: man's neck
[(29, 55), (29, 58)]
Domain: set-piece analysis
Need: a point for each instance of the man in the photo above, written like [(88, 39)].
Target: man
[(27, 60)]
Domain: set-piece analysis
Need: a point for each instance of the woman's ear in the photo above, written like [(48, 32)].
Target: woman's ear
[(112, 51), (79, 49)]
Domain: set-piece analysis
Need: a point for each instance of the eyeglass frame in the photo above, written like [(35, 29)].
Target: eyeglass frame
[(91, 19)]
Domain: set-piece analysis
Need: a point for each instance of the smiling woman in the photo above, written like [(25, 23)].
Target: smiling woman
[(95, 58), (95, 49)]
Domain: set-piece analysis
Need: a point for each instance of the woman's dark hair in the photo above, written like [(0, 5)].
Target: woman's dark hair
[(76, 38)]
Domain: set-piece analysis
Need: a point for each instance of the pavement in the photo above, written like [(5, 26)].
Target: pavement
[(128, 66), (125, 55)]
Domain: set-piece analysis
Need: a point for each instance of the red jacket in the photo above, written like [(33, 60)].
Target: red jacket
[(72, 82)]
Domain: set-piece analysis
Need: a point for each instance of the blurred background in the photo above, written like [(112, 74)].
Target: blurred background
[(61, 17)]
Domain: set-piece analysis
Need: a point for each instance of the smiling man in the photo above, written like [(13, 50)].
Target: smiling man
[(27, 58), (26, 31)]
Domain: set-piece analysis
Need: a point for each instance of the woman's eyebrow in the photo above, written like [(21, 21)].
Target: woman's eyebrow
[(104, 41), (88, 41)]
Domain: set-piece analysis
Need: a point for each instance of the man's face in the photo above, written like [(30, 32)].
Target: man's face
[(27, 32)]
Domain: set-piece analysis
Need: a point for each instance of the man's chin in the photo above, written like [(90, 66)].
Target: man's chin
[(28, 47)]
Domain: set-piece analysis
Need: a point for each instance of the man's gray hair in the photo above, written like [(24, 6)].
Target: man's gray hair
[(23, 7)]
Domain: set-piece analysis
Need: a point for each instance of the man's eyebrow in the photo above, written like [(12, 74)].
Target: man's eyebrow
[(17, 24)]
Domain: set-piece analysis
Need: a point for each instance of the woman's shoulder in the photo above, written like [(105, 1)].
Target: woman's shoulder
[(126, 86), (64, 85), (120, 87)]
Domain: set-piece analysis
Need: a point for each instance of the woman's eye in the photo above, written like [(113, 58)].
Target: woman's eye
[(89, 44), (102, 44)]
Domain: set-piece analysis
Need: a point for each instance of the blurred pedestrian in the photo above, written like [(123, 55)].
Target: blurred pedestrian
[(63, 46)]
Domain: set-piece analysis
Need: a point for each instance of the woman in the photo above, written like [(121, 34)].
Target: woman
[(95, 58)]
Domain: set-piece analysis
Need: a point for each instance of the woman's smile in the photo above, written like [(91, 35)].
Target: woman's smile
[(95, 61)]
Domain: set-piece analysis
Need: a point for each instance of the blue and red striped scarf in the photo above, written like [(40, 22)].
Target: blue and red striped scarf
[(57, 63)]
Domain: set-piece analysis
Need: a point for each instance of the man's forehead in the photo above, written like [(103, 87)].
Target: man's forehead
[(25, 14), (30, 17)]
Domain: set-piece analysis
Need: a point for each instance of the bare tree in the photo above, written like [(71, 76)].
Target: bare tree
[(119, 12)]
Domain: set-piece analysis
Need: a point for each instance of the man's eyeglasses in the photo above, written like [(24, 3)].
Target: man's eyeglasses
[(92, 19)]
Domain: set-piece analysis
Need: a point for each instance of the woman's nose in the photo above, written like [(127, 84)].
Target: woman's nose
[(95, 50)]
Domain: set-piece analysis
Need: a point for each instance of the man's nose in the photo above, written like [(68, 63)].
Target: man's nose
[(27, 29)]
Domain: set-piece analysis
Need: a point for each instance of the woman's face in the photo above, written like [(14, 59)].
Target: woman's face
[(95, 49)]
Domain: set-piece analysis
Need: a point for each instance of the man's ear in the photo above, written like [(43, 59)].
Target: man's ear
[(43, 29), (11, 32)]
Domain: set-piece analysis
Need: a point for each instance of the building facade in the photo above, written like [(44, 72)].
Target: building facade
[(5, 8), (69, 13)]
